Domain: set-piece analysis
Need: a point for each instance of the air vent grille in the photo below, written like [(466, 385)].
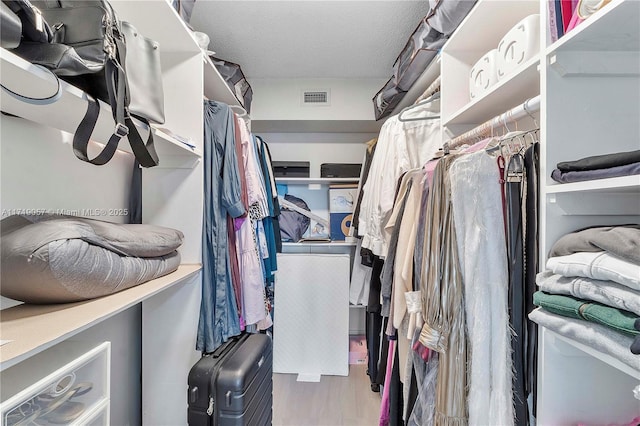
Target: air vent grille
[(316, 97)]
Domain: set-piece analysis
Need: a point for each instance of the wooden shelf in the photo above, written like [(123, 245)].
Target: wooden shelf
[(523, 84), (624, 184), (66, 113), (34, 328), (615, 27), (319, 181), (215, 88)]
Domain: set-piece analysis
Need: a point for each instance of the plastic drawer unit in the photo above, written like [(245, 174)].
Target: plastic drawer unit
[(99, 416), (66, 384)]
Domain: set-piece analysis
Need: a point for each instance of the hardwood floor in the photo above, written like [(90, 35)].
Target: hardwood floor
[(335, 401)]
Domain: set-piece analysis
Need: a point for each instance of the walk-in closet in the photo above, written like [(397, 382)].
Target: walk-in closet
[(320, 213)]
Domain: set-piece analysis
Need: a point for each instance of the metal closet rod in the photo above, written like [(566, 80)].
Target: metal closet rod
[(526, 109)]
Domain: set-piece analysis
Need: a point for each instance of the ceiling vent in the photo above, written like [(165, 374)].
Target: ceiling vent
[(316, 97)]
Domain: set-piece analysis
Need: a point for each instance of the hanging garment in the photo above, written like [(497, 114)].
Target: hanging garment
[(531, 262), (401, 146), (442, 296), (403, 270), (364, 175), (218, 312), (517, 302), (392, 232), (251, 260), (373, 326), (360, 279), (477, 211), (423, 413)]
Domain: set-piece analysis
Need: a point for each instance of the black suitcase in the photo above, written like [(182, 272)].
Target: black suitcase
[(234, 384)]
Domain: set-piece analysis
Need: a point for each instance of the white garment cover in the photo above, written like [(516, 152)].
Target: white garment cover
[(479, 223), (597, 265)]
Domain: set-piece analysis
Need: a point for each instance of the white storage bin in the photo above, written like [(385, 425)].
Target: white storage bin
[(483, 74), (519, 45), (58, 386)]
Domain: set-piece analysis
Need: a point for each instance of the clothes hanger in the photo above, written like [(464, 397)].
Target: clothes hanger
[(430, 99)]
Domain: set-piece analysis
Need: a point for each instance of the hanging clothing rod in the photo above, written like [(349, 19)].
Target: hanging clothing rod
[(433, 88), (526, 109)]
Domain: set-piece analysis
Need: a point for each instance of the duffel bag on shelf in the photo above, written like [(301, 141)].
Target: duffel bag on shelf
[(84, 43), (234, 77)]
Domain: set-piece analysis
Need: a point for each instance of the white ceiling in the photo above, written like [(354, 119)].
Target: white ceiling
[(307, 39)]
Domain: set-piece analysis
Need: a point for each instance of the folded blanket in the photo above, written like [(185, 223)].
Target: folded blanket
[(622, 241), (606, 292), (596, 336), (616, 319), (599, 265), (600, 161), (60, 259), (611, 172)]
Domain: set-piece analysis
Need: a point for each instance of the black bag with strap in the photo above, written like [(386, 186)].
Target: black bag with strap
[(84, 43)]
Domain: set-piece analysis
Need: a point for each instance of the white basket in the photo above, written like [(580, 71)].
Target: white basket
[(483, 74), (520, 44)]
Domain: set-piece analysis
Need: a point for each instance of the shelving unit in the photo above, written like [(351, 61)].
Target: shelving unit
[(589, 79), (38, 161), (318, 181), (465, 47)]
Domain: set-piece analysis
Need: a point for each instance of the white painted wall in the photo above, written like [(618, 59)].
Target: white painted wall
[(317, 148), (281, 99)]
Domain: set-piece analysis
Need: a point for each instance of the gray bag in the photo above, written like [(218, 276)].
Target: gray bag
[(235, 79), (10, 27), (109, 60), (293, 224)]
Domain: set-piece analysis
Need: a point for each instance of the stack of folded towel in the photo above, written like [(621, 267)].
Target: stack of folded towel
[(598, 167), (590, 291)]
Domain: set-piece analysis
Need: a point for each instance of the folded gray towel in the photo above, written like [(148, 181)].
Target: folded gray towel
[(622, 241)]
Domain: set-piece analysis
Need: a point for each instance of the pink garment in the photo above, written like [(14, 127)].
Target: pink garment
[(575, 21), (477, 146), (384, 404), (253, 305), (421, 350)]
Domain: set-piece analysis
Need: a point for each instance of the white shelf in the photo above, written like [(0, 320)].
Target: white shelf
[(616, 27), (319, 181), (606, 358), (618, 184), (34, 328), (215, 88), (158, 21), (487, 23), (523, 84), (66, 113), (316, 126), (321, 244)]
